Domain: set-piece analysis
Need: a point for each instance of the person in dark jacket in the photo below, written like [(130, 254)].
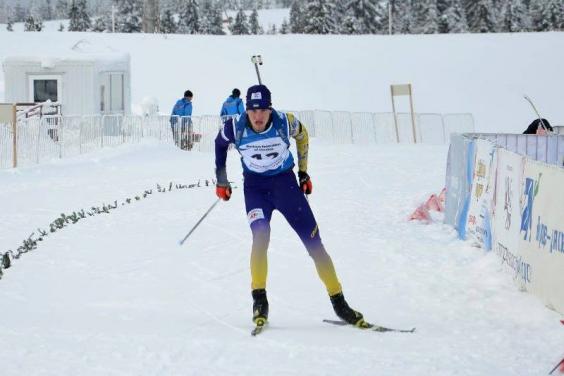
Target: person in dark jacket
[(537, 128), (181, 122), (233, 105)]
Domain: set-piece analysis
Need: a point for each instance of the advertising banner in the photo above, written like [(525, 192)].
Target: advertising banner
[(462, 210), (480, 210), (455, 181), (541, 231), (507, 214)]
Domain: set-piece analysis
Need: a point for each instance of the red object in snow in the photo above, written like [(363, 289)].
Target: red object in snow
[(421, 214), (433, 203)]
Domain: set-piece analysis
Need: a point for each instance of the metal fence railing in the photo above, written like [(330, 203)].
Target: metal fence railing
[(56, 136), (548, 149)]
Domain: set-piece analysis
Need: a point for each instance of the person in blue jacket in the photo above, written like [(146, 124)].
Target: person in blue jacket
[(262, 137), (233, 105), (181, 122)]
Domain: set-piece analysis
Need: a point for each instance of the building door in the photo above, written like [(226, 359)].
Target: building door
[(112, 93), (116, 93)]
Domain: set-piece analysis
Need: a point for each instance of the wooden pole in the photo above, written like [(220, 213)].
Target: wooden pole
[(14, 138), (395, 114), (412, 115)]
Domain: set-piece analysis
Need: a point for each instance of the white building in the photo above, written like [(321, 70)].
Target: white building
[(83, 83)]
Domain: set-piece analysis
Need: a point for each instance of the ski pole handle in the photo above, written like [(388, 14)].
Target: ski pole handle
[(257, 60)]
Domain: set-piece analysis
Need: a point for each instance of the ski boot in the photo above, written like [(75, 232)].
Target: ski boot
[(260, 306), (346, 313)]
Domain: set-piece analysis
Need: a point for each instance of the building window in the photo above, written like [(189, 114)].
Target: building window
[(44, 90)]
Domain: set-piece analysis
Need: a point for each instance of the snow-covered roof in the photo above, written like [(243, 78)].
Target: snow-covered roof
[(81, 51)]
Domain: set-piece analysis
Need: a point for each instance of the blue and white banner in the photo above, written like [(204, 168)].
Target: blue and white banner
[(507, 215), (480, 211), (541, 231)]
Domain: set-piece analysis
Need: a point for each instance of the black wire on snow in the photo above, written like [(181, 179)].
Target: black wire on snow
[(64, 220)]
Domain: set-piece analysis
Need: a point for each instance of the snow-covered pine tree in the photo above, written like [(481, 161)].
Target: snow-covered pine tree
[(339, 13), (403, 18), (296, 17), (240, 25), (61, 27), (453, 18), (368, 14), (128, 17), (168, 24), (285, 27), (46, 10), (318, 17), (514, 17), (480, 15), (85, 21), (188, 17), (426, 17), (38, 24), (73, 16), (211, 21), (103, 22), (61, 9), (254, 26), (31, 24), (79, 20), (547, 15), (442, 7), (350, 24)]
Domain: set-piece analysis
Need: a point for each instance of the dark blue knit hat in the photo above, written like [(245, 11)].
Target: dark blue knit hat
[(258, 97)]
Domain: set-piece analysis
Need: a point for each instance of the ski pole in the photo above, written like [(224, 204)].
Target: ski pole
[(556, 366), (257, 60), (200, 221), (535, 109)]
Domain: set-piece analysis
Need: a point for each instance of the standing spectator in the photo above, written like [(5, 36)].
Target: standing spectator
[(233, 105), (181, 121)]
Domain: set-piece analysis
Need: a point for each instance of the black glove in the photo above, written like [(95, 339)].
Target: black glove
[(305, 182)]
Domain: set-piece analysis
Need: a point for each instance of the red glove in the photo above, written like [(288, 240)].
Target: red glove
[(223, 192), (305, 182)]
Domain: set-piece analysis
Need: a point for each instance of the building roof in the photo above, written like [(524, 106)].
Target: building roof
[(83, 51)]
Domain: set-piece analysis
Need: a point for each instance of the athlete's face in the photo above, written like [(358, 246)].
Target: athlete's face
[(259, 119)]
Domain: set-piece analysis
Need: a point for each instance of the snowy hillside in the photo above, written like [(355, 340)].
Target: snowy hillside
[(484, 74), (114, 294)]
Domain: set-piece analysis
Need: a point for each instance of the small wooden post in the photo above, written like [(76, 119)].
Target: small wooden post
[(400, 90)]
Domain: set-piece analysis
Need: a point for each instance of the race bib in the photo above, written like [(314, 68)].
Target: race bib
[(264, 155)]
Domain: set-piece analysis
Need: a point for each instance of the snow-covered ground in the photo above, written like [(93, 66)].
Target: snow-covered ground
[(485, 74), (115, 294)]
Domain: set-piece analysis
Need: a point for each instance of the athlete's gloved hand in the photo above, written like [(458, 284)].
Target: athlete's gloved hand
[(305, 182), (223, 192)]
